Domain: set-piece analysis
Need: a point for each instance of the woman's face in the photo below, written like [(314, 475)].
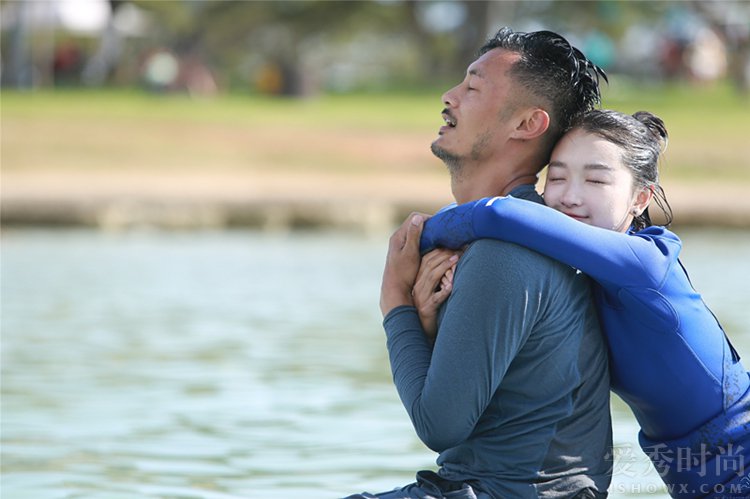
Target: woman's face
[(587, 181)]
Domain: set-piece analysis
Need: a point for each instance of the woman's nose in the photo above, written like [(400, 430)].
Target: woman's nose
[(571, 196)]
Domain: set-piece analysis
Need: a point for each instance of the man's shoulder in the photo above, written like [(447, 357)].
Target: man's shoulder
[(495, 249), (488, 259)]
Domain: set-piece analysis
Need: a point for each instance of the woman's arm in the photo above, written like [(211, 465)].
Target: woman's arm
[(642, 259)]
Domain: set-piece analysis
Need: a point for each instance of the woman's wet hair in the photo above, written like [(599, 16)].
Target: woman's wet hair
[(553, 71), (642, 138)]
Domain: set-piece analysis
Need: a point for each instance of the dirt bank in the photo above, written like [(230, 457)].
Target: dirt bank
[(267, 199)]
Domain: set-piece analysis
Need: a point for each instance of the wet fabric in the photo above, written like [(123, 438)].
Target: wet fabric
[(429, 485), (712, 461), (514, 393), (670, 359)]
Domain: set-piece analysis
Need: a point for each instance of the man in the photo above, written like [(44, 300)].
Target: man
[(514, 391)]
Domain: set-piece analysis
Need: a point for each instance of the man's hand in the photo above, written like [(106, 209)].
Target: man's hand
[(401, 264), (433, 285)]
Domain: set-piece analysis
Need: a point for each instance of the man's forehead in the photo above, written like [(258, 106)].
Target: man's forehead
[(492, 61)]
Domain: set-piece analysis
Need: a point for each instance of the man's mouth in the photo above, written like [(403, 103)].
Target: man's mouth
[(450, 120)]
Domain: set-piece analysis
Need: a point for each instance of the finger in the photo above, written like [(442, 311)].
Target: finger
[(424, 216), (442, 294), (398, 238), (441, 251), (428, 302), (428, 267), (437, 257), (413, 231), (425, 285), (396, 242), (431, 271), (433, 279), (438, 297), (440, 268), (423, 288), (446, 282), (449, 274), (447, 266)]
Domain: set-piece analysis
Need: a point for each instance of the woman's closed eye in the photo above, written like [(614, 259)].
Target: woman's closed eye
[(597, 181)]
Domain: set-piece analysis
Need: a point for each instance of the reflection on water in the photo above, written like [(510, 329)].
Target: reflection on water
[(232, 364)]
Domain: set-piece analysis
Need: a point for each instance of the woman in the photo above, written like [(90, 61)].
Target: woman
[(670, 360)]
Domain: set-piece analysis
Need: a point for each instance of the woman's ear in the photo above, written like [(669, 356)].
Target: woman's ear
[(533, 123), (642, 200)]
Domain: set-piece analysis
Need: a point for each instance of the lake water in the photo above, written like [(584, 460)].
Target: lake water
[(234, 364)]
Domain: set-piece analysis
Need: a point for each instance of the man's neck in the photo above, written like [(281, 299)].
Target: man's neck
[(470, 189)]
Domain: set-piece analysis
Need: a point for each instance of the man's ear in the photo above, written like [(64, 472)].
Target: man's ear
[(532, 123)]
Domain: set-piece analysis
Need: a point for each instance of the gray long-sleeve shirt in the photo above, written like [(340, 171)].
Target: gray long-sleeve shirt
[(514, 394)]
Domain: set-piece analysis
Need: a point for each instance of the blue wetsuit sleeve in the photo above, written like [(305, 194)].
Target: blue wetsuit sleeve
[(623, 260), (447, 387)]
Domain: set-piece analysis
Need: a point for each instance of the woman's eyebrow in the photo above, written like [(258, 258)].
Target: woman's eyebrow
[(588, 166), (598, 166)]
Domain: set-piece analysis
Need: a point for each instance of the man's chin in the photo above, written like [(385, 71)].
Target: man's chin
[(452, 161), (442, 153)]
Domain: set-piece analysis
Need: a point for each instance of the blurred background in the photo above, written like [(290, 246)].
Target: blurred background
[(196, 198)]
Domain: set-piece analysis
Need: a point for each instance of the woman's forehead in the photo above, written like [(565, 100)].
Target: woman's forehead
[(588, 151)]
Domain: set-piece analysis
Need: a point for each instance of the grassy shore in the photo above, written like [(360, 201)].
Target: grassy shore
[(81, 156)]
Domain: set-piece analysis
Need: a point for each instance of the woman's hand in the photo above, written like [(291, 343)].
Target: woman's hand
[(433, 285), (401, 264)]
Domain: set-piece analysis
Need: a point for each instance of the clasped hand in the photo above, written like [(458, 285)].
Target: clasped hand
[(408, 279)]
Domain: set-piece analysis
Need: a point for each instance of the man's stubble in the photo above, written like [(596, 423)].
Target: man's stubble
[(456, 163)]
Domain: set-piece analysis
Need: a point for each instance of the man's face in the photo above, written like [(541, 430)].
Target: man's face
[(477, 111)]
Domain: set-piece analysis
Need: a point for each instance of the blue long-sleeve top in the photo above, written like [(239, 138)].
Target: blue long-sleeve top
[(670, 360)]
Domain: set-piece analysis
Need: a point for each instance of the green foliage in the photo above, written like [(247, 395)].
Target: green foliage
[(707, 126)]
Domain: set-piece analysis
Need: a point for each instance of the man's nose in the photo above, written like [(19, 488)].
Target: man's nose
[(449, 97)]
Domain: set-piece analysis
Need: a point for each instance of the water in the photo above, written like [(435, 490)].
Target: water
[(233, 364)]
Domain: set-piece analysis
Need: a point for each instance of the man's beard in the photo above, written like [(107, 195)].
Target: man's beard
[(456, 163), (452, 161)]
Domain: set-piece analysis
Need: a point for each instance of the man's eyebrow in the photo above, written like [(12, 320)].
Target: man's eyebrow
[(475, 72)]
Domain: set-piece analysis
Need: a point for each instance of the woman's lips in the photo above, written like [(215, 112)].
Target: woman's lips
[(577, 217)]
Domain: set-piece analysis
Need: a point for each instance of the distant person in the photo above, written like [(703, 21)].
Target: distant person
[(513, 393), (670, 359)]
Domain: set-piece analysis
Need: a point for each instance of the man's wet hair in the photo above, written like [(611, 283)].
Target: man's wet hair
[(555, 72)]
